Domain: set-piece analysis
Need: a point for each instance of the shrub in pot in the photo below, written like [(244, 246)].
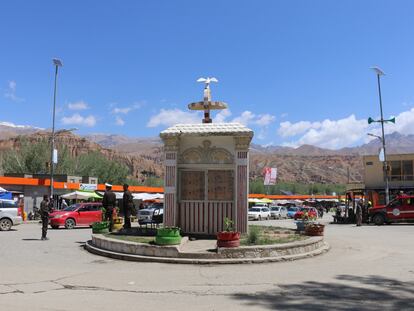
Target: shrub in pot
[(168, 236), (304, 221), (314, 229), (100, 227), (228, 237)]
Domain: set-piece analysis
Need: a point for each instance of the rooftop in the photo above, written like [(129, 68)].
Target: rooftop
[(206, 129)]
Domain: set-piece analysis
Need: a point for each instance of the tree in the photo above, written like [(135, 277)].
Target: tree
[(95, 164)]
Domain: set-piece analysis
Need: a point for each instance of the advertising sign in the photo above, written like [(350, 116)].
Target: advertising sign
[(270, 176)]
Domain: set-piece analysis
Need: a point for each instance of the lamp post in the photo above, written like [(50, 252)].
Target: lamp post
[(53, 158), (380, 73)]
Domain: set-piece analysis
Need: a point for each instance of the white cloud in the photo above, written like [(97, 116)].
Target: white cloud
[(265, 119), (10, 92), (404, 123), (168, 117), (77, 119), (79, 105), (126, 110), (222, 116), (245, 118), (287, 129), (331, 134), (119, 121)]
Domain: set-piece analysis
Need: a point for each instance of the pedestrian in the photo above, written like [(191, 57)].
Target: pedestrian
[(44, 214), (108, 203), (127, 205), (358, 214), (64, 204)]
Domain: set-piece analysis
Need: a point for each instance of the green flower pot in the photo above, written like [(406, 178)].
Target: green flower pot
[(100, 227), (168, 236)]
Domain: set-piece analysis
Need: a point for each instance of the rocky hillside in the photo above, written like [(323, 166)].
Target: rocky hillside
[(304, 164), (137, 163)]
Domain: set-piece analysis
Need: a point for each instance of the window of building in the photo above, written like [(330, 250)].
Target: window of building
[(395, 170), (401, 170), (220, 185), (212, 185), (192, 185), (407, 169)]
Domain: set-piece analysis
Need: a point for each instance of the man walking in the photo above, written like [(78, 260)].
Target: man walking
[(127, 205), (108, 202), (44, 214)]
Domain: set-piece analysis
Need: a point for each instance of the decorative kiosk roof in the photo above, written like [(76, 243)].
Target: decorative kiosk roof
[(207, 129)]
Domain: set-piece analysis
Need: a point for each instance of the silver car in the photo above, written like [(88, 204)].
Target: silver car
[(278, 212), (10, 214)]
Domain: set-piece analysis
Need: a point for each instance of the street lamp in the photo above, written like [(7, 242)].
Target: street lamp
[(57, 63), (380, 73)]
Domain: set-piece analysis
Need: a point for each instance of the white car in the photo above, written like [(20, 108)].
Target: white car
[(258, 213), (10, 215), (278, 212)]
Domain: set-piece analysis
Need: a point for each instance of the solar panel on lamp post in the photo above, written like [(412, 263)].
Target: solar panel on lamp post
[(53, 158)]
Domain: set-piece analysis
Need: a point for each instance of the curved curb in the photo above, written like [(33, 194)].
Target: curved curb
[(130, 257)]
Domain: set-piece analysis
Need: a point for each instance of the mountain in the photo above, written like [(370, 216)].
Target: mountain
[(305, 164), (8, 130)]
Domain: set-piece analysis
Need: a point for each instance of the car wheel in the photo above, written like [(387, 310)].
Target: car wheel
[(70, 223), (5, 224), (378, 219), (55, 227)]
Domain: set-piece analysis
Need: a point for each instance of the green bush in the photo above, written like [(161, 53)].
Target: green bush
[(253, 236)]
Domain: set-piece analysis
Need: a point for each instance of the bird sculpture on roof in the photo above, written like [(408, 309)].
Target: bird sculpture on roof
[(207, 81)]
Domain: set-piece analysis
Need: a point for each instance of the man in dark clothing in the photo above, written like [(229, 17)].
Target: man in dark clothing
[(44, 214), (358, 214), (109, 202), (127, 204)]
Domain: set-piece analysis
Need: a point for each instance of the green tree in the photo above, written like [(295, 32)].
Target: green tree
[(95, 164)]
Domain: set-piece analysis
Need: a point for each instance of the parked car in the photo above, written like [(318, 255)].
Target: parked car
[(292, 211), (401, 209), (10, 214), (312, 213), (278, 212), (79, 214), (258, 213), (152, 214)]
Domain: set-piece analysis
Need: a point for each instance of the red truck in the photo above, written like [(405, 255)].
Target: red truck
[(401, 209)]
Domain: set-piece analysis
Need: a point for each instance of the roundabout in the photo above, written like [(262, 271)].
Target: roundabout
[(204, 251)]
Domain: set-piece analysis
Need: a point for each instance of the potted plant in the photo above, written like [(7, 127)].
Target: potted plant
[(305, 220), (100, 227), (228, 237), (117, 225), (314, 229), (168, 236)]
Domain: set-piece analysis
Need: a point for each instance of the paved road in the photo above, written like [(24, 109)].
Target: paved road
[(368, 268)]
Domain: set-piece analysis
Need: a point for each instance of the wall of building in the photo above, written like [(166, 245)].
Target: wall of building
[(374, 174)]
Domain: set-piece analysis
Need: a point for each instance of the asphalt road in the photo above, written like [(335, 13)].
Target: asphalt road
[(367, 268)]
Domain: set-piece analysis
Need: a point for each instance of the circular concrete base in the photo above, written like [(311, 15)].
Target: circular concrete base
[(124, 250)]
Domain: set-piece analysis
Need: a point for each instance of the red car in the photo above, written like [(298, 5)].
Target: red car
[(80, 214), (312, 213), (401, 209)]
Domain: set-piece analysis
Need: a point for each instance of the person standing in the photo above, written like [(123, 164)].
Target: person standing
[(44, 214), (109, 202), (127, 204), (358, 214)]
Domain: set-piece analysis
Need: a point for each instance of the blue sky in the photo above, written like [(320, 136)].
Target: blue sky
[(296, 72)]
